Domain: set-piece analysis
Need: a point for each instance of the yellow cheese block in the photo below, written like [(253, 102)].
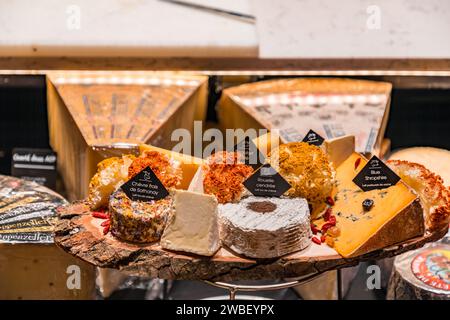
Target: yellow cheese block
[(189, 164), (395, 216)]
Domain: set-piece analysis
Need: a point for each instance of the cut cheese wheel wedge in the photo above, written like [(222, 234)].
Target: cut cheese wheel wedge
[(396, 215), (189, 164), (339, 149)]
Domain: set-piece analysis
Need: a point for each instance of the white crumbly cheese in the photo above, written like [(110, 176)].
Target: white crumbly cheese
[(193, 225), (255, 234)]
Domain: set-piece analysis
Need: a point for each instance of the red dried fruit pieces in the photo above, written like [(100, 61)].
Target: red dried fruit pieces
[(106, 230), (357, 162), (327, 226), (314, 229), (330, 201), (105, 223), (316, 240), (323, 238), (332, 219), (327, 214), (100, 215)]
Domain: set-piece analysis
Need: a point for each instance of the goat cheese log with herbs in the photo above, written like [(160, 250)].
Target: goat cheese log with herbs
[(140, 221)]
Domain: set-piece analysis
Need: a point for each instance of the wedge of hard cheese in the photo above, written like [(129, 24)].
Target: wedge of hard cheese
[(189, 164), (192, 226), (339, 149), (395, 216)]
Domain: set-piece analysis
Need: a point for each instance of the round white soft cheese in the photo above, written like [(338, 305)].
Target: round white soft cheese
[(272, 234)]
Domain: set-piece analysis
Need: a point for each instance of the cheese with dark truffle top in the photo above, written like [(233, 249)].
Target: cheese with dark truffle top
[(260, 227)]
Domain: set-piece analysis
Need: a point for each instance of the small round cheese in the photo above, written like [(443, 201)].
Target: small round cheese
[(138, 221), (260, 227)]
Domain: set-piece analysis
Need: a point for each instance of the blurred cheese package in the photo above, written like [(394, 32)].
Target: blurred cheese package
[(31, 266), (330, 107), (96, 115)]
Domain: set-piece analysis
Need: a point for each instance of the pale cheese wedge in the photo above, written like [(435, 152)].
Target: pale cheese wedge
[(193, 224)]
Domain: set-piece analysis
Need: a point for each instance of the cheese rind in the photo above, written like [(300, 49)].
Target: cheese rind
[(396, 215), (434, 196), (435, 159), (192, 225), (111, 174)]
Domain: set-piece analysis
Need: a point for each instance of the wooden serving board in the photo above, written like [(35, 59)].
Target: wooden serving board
[(81, 235)]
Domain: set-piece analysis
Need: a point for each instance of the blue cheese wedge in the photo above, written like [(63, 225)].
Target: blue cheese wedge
[(192, 226), (260, 227)]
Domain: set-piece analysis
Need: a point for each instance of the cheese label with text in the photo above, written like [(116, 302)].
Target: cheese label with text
[(375, 175), (252, 156), (145, 186), (38, 165), (266, 182), (313, 138)]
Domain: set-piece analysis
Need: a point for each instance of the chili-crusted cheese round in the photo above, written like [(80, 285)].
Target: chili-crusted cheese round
[(223, 175)]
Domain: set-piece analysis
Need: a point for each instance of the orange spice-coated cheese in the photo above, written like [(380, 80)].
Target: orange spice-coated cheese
[(189, 164), (395, 216)]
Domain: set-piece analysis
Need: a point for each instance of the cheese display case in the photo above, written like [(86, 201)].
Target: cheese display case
[(324, 194)]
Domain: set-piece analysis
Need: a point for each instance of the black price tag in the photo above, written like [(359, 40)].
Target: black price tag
[(375, 175), (266, 182), (252, 156), (145, 186), (313, 138), (38, 165)]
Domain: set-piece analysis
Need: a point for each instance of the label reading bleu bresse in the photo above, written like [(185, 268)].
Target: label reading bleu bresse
[(313, 138), (252, 156), (145, 186), (375, 175), (266, 182), (38, 165)]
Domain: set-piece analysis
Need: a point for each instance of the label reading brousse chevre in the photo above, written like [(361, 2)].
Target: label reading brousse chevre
[(375, 175), (252, 156), (313, 138), (266, 182), (145, 186), (38, 165)]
